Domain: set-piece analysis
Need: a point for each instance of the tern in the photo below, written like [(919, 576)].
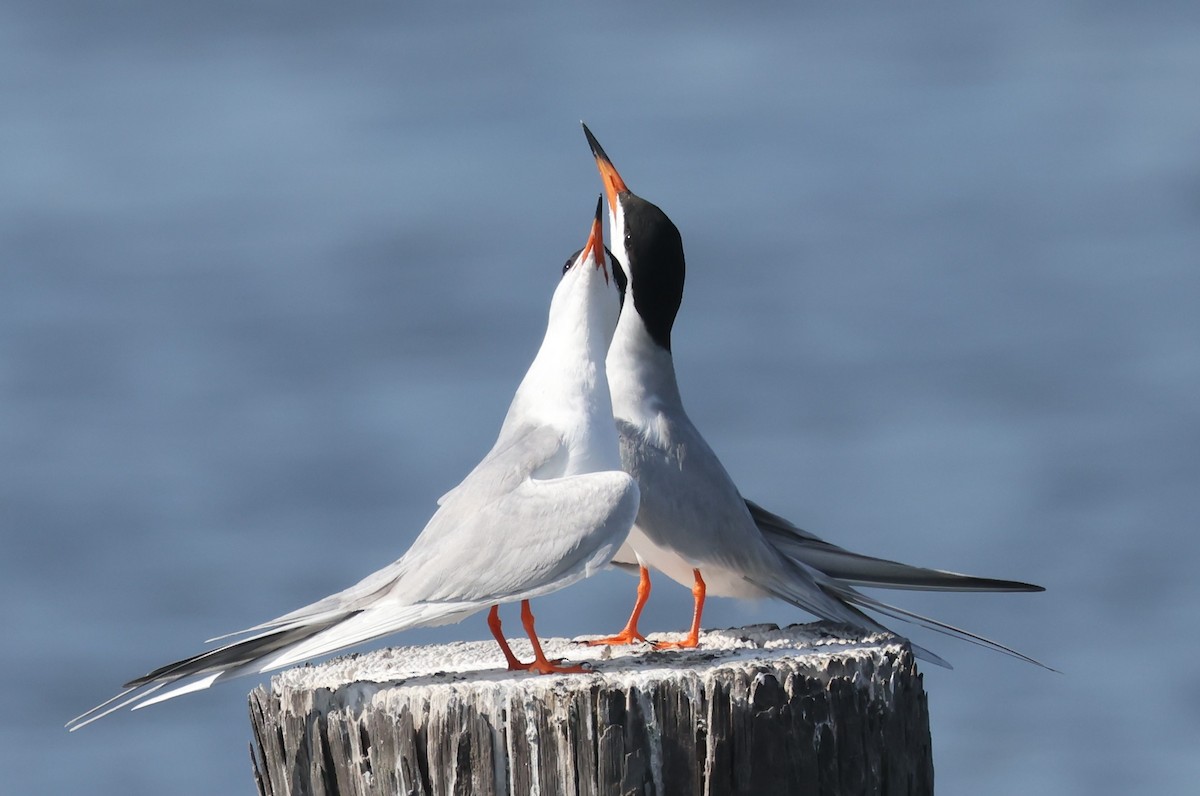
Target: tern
[(693, 524), (548, 506)]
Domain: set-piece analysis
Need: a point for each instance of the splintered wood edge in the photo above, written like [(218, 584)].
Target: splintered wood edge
[(481, 661), (808, 705)]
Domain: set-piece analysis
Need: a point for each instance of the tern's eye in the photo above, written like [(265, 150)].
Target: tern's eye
[(571, 261)]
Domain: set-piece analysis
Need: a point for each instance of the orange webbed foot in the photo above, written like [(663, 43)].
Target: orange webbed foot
[(630, 634), (540, 664), (624, 638), (691, 642), (555, 667)]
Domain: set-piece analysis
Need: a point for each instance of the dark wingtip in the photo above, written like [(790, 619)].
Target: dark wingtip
[(1018, 586)]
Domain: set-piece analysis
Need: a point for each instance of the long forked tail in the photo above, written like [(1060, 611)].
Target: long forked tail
[(863, 601), (862, 570), (201, 671), (829, 605), (278, 644), (849, 603)]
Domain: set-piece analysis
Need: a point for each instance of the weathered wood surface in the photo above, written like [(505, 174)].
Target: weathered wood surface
[(806, 709)]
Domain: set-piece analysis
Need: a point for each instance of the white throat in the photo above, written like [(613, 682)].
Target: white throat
[(566, 386), (641, 373)]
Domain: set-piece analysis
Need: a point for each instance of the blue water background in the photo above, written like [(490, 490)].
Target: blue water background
[(270, 272)]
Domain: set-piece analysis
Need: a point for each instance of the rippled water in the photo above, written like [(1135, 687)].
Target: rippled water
[(270, 276)]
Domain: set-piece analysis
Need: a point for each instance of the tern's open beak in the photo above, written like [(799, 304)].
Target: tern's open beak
[(613, 184), (595, 241)]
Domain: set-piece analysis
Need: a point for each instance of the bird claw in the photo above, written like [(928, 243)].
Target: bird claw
[(689, 643), (624, 638), (555, 667), (548, 666)]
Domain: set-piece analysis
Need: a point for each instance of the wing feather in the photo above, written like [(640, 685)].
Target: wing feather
[(501, 535), (862, 570)]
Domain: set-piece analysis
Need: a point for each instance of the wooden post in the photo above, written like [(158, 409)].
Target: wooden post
[(809, 709)]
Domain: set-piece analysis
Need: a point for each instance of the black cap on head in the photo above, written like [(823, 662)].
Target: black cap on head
[(655, 271), (656, 266)]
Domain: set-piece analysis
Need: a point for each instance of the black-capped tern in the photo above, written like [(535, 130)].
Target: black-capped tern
[(693, 524)]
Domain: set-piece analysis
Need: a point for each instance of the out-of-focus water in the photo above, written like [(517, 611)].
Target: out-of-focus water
[(270, 274)]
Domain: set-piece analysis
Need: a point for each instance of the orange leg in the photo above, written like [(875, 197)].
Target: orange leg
[(693, 637), (514, 664), (540, 664), (630, 634), (493, 621)]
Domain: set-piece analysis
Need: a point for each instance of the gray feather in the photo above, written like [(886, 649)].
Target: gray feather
[(862, 570)]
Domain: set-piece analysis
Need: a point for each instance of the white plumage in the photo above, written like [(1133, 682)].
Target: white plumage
[(548, 506), (694, 525)]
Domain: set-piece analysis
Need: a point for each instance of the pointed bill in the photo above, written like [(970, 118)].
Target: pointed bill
[(595, 241), (613, 184)]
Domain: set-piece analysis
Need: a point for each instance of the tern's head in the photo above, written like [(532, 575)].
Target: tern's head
[(649, 245), (588, 298)]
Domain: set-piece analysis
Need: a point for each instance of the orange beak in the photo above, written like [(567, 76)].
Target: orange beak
[(613, 184), (595, 241)]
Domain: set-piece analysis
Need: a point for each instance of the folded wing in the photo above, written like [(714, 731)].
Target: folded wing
[(500, 536)]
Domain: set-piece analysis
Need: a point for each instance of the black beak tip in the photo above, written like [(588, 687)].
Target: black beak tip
[(599, 207), (597, 150)]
